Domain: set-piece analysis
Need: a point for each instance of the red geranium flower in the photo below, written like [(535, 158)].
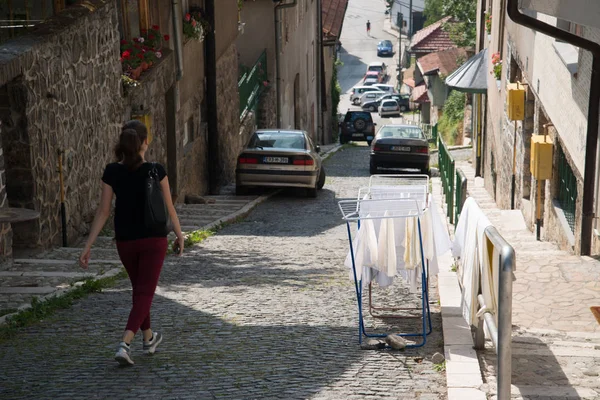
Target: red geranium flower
[(155, 27), (194, 23), (126, 54), (123, 41), (188, 17), (140, 56), (151, 37), (166, 38)]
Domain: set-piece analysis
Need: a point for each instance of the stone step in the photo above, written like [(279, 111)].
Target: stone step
[(42, 261), (49, 274), (205, 213), (27, 290)]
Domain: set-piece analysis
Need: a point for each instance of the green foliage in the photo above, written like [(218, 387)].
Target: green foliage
[(454, 113), (463, 28), (441, 367)]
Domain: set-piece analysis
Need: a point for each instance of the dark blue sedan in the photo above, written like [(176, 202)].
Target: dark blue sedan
[(385, 48)]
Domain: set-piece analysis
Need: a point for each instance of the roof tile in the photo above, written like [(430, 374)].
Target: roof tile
[(432, 38), (333, 12), (445, 61)]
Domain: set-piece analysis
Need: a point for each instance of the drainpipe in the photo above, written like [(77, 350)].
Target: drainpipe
[(278, 33), (319, 73), (176, 11), (210, 73), (591, 144)]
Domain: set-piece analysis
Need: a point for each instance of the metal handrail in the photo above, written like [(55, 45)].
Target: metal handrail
[(460, 194), (500, 334), (446, 164)]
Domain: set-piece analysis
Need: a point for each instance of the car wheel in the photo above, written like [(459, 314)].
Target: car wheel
[(372, 109), (241, 190), (322, 177), (403, 108), (372, 167), (355, 101)]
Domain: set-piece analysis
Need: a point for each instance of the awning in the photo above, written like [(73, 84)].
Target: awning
[(471, 76)]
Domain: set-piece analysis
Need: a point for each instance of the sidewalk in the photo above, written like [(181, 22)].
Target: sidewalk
[(556, 339)]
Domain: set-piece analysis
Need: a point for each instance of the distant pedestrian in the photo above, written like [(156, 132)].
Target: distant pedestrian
[(368, 27), (142, 246)]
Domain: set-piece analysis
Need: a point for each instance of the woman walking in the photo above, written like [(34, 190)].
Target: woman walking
[(141, 249)]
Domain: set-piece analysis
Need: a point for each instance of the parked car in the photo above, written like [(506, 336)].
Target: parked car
[(370, 81), (374, 75), (379, 67), (385, 47), (371, 96), (386, 88), (389, 107), (399, 146), (280, 158), (357, 126), (401, 99), (358, 91)]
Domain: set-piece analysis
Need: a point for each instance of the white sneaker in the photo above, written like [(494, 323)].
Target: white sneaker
[(123, 354), (150, 347)]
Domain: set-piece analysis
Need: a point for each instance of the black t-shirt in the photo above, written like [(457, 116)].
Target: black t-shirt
[(129, 187)]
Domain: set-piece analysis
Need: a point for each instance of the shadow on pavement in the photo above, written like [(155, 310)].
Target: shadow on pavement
[(535, 370)]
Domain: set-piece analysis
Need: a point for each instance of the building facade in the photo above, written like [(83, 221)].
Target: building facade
[(556, 78), (64, 97)]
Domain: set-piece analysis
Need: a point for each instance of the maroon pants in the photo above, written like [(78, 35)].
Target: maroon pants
[(143, 260)]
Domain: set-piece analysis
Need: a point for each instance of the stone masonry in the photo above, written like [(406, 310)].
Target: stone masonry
[(61, 85)]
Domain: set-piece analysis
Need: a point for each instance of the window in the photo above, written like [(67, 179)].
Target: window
[(568, 53), (567, 188), (501, 20), (133, 18)]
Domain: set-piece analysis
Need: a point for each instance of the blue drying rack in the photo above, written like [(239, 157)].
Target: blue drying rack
[(406, 199)]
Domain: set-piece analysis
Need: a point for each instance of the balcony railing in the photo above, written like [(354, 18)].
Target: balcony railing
[(251, 84)]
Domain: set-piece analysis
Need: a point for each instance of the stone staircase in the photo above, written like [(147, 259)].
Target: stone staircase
[(556, 339), (50, 272)]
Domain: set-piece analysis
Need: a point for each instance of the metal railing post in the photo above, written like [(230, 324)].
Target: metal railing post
[(502, 333), (461, 193)]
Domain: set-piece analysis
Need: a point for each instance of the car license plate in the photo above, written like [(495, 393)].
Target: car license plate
[(276, 160), (357, 135), (400, 148)]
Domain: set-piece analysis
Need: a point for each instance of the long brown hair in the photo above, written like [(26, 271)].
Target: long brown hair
[(127, 150)]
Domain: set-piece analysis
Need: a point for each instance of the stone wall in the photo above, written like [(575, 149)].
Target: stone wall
[(228, 120), (6, 233), (65, 76), (267, 109)]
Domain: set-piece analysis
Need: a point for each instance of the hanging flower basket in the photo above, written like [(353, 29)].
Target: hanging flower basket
[(497, 66), (488, 23), (195, 26)]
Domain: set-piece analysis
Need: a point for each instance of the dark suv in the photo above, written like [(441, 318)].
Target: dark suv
[(357, 125)]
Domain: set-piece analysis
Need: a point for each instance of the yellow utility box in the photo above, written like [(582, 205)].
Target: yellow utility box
[(146, 119), (541, 157), (515, 101)]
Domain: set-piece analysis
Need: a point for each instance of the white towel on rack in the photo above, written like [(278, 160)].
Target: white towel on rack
[(386, 245), (412, 250), (365, 249)]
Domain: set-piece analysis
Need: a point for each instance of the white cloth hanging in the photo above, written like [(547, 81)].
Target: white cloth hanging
[(412, 245), (365, 249), (470, 246), (386, 247)]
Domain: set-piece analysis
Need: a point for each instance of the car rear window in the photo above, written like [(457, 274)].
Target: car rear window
[(354, 115), (280, 140), (376, 68), (401, 132), (390, 103)]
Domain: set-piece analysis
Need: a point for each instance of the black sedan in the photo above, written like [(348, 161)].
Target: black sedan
[(399, 146), (373, 106)]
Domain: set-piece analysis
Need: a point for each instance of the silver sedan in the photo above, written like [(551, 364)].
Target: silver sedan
[(280, 158)]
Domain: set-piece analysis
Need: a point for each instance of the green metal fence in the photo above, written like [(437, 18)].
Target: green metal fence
[(567, 188), (460, 193), (431, 132), (251, 84), (446, 165)]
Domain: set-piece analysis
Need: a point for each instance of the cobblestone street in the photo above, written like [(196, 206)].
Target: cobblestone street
[(264, 309)]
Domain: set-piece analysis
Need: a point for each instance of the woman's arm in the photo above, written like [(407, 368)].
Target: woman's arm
[(102, 214), (164, 184)]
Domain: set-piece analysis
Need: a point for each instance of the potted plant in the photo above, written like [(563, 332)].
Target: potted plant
[(195, 25), (140, 53), (497, 66)]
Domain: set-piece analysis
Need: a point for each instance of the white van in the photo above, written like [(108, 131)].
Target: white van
[(389, 89), (358, 91), (378, 66), (371, 96)]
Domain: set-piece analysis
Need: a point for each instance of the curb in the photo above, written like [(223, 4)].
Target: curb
[(463, 371), (331, 152), (435, 151), (61, 292), (243, 212)]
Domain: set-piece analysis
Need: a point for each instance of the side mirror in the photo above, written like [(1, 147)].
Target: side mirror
[(318, 148)]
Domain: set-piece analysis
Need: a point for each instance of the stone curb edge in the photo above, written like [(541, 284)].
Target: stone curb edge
[(331, 152), (463, 371), (61, 292), (450, 148)]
